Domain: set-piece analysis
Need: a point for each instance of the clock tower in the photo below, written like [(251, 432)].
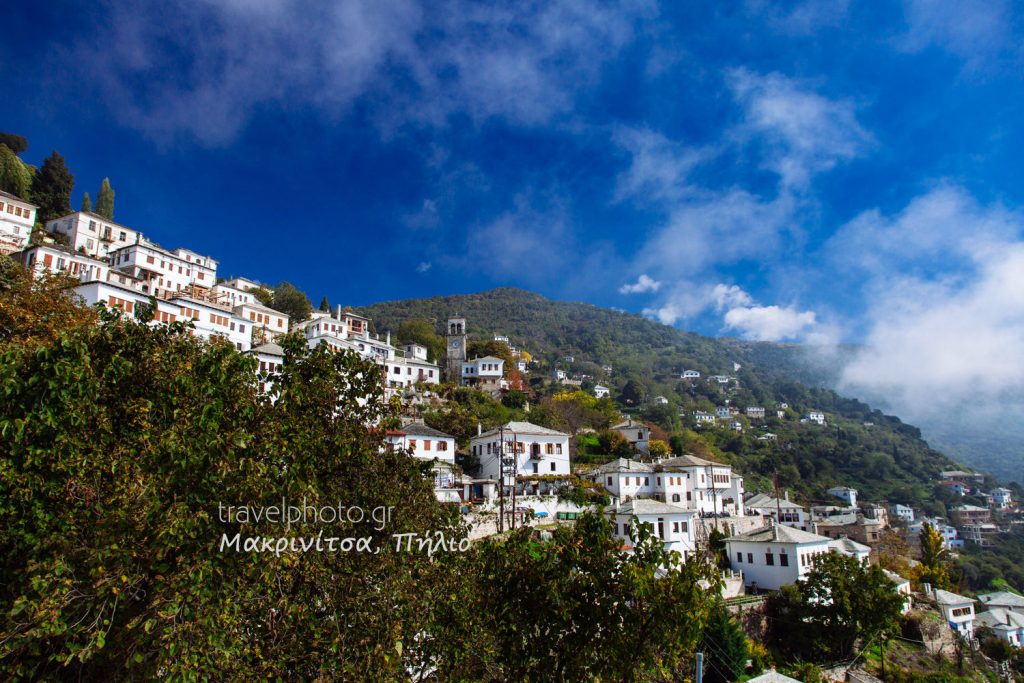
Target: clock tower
[(455, 334)]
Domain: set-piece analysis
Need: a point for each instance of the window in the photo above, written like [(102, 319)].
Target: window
[(535, 466), (675, 498), (739, 558), (675, 527), (552, 467), (124, 238), (784, 560), (549, 448), (412, 444), (750, 558), (769, 559), (442, 445), (647, 481), (426, 444)]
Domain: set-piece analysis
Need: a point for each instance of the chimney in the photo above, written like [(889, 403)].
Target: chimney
[(479, 428), (339, 312), (787, 495), (389, 337)]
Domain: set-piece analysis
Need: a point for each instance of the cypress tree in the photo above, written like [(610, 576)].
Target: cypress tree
[(325, 306), (105, 200), (51, 188), (86, 202)]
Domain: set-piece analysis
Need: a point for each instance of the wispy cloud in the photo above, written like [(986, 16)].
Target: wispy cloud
[(423, 267), (974, 30), (643, 284), (802, 132), (204, 69)]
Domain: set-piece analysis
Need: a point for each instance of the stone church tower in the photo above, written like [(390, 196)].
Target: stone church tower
[(455, 335)]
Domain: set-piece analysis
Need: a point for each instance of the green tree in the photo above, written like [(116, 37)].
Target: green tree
[(632, 392), (15, 143), (121, 442), (105, 200), (325, 305), (935, 565), (15, 175), (51, 188), (264, 296), (841, 602), (86, 202), (288, 299), (724, 646), (422, 332), (498, 349), (556, 601)]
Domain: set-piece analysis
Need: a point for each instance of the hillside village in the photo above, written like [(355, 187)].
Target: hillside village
[(515, 439)]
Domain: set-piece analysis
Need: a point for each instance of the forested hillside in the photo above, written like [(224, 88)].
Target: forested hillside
[(861, 447)]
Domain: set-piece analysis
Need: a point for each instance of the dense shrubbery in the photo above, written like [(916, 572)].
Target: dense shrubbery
[(119, 441)]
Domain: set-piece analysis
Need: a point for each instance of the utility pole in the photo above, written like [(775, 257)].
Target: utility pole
[(501, 479), (700, 667), (515, 474)]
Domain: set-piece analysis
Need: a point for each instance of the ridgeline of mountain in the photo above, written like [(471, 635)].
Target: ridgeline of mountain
[(861, 447)]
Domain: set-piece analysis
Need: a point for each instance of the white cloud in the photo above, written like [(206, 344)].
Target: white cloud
[(658, 168), (643, 284), (945, 329), (205, 68), (423, 266), (730, 296), (770, 323), (804, 133), (975, 30)]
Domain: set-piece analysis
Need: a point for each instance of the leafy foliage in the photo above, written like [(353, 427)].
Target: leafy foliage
[(15, 175), (841, 602), (105, 200), (51, 188), (291, 301), (724, 646)]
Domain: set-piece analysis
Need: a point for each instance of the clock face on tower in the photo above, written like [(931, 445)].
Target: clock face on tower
[(455, 343)]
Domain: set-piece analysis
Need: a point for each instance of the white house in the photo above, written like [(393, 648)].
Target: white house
[(266, 323), (755, 412), (1005, 624), (723, 412), (672, 524), (558, 374), (957, 610), (16, 220), (845, 494), (233, 296), (484, 373), (712, 487), (270, 357), (242, 284), (816, 416), (689, 374), (660, 400), (637, 434), (164, 273), (55, 258), (602, 391), (702, 417), (774, 556), (904, 513), (92, 234), (783, 510), (213, 320), (1001, 498), (1003, 600), (526, 449), (768, 436), (902, 588), (429, 444), (127, 299), (848, 546)]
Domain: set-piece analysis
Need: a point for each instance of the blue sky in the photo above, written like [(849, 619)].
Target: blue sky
[(811, 171)]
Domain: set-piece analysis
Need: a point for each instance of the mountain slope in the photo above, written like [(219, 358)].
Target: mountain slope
[(885, 458)]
